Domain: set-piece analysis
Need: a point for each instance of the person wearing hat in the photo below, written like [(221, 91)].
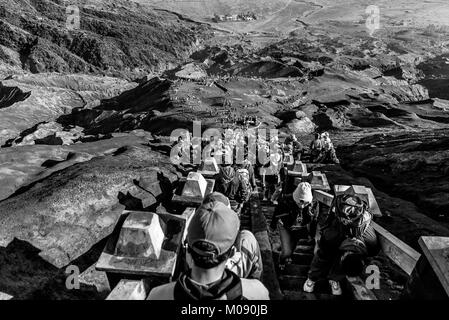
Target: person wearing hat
[(316, 148), (246, 261), (294, 216), (211, 235), (347, 239), (229, 183)]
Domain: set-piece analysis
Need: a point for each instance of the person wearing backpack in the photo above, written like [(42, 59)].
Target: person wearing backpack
[(347, 239), (211, 235), (295, 216), (246, 260)]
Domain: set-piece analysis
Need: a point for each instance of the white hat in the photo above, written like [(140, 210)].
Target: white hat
[(303, 192)]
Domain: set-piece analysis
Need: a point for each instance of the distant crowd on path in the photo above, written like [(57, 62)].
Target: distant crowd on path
[(234, 147)]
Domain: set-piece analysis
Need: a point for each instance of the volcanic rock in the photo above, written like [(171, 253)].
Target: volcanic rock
[(68, 212)]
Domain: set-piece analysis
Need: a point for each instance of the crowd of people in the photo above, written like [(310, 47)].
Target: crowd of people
[(322, 149), (224, 262)]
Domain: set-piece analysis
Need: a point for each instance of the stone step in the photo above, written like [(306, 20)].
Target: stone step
[(302, 258), (294, 283), (295, 270), (301, 295), (304, 249), (306, 242), (298, 295), (297, 258)]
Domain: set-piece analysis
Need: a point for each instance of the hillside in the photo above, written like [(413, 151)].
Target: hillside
[(117, 39)]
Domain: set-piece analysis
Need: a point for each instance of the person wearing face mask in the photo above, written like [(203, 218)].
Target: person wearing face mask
[(295, 216), (347, 239)]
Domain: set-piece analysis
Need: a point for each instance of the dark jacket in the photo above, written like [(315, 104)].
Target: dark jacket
[(290, 214)]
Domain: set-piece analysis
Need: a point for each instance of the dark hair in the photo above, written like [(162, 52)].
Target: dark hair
[(208, 261)]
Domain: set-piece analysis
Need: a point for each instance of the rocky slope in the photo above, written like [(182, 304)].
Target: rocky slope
[(34, 99), (413, 167), (63, 215)]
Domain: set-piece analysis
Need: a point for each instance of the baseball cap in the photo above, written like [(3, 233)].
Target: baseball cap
[(217, 197), (213, 229)]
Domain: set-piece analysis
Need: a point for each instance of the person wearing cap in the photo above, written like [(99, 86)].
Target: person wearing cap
[(316, 148), (295, 216), (229, 183), (211, 235), (246, 260), (347, 239)]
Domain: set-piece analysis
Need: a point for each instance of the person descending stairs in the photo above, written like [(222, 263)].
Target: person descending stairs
[(293, 263)]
